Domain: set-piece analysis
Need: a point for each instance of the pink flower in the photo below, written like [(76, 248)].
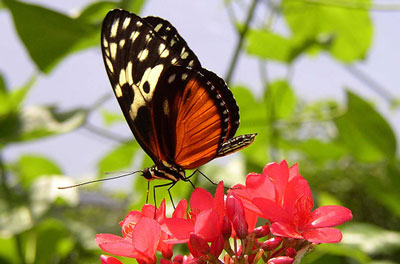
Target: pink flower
[(203, 224), (287, 203), (142, 236)]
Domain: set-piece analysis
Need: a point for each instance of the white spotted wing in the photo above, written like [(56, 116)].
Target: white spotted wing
[(180, 113)]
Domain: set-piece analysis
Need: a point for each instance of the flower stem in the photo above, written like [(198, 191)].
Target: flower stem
[(239, 44)]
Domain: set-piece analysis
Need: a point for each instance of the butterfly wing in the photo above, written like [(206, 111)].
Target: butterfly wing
[(136, 56), (193, 119), (181, 114)]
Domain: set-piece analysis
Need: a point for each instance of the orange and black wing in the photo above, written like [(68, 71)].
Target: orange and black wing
[(136, 53), (193, 119)]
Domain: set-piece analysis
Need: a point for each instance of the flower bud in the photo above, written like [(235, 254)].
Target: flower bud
[(291, 252), (261, 231), (240, 225), (235, 212), (178, 259), (271, 244), (217, 246), (233, 206), (109, 260), (199, 244), (167, 253), (165, 261), (281, 260), (226, 228)]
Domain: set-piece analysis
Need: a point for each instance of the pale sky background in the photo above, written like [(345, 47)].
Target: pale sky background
[(81, 79)]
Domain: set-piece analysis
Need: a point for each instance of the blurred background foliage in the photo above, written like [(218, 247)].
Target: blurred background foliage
[(348, 152)]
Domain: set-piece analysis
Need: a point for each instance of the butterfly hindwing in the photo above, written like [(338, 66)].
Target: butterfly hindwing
[(191, 117)]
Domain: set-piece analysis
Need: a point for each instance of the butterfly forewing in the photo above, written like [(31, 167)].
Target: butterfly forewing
[(179, 46), (136, 56)]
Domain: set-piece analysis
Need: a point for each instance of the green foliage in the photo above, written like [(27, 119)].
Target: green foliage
[(279, 48), (375, 138), (110, 118), (350, 29), (49, 35), (29, 167), (119, 158)]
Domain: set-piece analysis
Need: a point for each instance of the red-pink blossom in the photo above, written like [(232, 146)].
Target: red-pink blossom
[(289, 203), (142, 236)]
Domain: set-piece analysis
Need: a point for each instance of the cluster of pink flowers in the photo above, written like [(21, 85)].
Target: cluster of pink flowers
[(228, 223)]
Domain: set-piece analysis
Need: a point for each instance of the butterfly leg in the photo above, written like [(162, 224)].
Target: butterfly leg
[(170, 184), (147, 192), (205, 176)]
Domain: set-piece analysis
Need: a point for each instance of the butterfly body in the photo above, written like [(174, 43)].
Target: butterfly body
[(182, 115)]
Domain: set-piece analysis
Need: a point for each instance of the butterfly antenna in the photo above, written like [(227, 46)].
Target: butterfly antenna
[(99, 180)]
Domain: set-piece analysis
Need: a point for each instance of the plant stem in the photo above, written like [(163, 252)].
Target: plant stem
[(8, 197), (239, 44), (18, 244), (367, 80)]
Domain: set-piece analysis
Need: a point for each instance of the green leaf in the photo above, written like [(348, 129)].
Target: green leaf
[(95, 12), (335, 253), (252, 112), (318, 150), (281, 99), (365, 133), (253, 119), (119, 158), (371, 239), (54, 241), (134, 6), (36, 122), (272, 46), (110, 118), (3, 86), (8, 252), (268, 45), (10, 101), (30, 167), (49, 35), (386, 187), (350, 29)]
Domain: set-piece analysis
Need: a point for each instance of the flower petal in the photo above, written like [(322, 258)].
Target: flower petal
[(323, 235), (201, 200), (109, 260), (330, 215), (179, 229), (279, 176), (146, 235), (271, 211), (180, 210), (219, 203), (116, 245), (284, 230), (207, 225), (294, 171), (128, 224), (296, 188)]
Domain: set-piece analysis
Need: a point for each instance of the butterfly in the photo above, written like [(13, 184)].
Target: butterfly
[(181, 114)]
